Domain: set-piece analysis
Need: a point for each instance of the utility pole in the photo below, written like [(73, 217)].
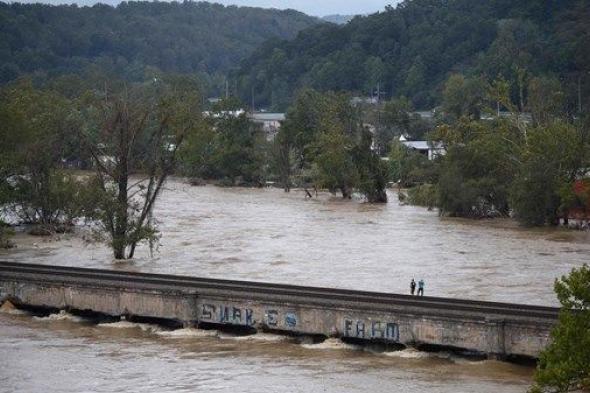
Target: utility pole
[(378, 92), (580, 93)]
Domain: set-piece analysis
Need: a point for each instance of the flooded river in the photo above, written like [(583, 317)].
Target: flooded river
[(267, 235)]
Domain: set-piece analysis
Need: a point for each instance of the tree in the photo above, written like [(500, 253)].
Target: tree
[(35, 128), (297, 137), (565, 364), (140, 131), (546, 100), (374, 73), (463, 97), (499, 93), (196, 157), (303, 123), (408, 167), (477, 170), (395, 121), (372, 171), (283, 157), (415, 77), (553, 158), (226, 146), (335, 166), (323, 139), (239, 152)]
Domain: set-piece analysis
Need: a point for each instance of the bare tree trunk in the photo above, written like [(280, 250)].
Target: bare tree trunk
[(150, 200), (346, 192), (121, 214)]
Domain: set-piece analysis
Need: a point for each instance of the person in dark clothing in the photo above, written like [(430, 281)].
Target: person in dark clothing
[(421, 287), (412, 286)]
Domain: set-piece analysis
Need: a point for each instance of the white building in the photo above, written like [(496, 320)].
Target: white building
[(430, 149)]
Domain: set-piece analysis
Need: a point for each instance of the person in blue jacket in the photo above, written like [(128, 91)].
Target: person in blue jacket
[(421, 287)]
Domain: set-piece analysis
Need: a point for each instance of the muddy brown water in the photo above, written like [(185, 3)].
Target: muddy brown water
[(267, 235)]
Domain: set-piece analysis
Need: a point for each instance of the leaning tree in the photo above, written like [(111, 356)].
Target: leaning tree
[(134, 140)]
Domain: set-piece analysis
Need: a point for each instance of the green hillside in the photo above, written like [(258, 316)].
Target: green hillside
[(187, 37), (411, 50)]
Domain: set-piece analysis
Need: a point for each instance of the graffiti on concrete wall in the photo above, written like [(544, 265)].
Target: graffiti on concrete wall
[(371, 330), (229, 314)]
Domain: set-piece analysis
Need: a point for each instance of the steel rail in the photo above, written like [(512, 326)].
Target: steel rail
[(126, 278)]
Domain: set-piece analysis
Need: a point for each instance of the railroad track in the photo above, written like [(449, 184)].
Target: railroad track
[(36, 272)]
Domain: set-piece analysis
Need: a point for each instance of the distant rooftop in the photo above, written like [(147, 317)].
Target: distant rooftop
[(425, 114), (421, 145), (265, 116)]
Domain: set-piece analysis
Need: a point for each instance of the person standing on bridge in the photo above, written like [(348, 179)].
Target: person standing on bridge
[(412, 287), (421, 287)]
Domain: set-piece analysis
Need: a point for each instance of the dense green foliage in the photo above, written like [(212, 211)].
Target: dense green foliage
[(411, 49), (135, 39), (423, 195), (409, 167), (553, 158), (36, 134), (323, 142), (392, 119), (227, 147), (512, 164), (565, 364), (477, 170), (473, 59), (120, 131)]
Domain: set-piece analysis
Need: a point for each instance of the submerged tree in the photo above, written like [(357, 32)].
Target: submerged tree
[(475, 174), (35, 138), (323, 139), (140, 131), (227, 146), (336, 169), (239, 150), (565, 364), (372, 171), (554, 157)]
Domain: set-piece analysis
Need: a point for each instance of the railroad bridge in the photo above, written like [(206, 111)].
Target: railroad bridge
[(497, 329)]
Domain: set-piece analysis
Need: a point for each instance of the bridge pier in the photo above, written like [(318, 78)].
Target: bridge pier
[(496, 338)]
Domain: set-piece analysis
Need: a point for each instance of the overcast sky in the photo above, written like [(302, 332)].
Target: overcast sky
[(311, 7), (319, 7)]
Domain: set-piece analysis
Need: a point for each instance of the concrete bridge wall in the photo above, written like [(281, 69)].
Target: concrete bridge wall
[(492, 328)]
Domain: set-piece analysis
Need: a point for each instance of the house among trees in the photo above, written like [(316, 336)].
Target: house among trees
[(356, 101), (270, 122), (429, 149)]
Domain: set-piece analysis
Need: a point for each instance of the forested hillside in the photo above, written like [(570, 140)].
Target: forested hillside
[(186, 37), (410, 50)]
